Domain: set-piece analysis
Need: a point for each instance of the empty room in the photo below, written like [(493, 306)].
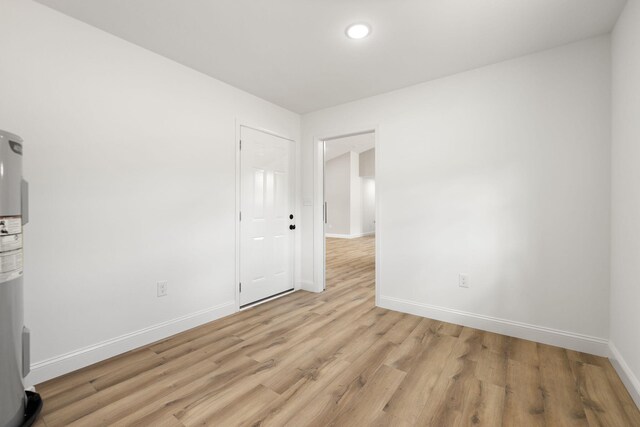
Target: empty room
[(319, 213)]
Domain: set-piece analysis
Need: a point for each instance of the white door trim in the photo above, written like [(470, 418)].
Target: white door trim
[(239, 125), (319, 250)]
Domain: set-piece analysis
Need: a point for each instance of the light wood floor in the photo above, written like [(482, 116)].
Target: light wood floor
[(335, 359)]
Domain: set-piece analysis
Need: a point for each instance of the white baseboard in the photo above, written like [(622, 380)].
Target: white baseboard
[(308, 286), (570, 340), (69, 362), (349, 236), (626, 374)]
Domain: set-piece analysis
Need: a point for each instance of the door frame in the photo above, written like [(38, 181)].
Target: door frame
[(319, 241), (294, 174)]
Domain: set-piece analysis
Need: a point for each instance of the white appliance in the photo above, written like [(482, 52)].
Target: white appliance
[(17, 407)]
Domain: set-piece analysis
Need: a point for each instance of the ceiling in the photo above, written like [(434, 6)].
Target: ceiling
[(294, 53), (357, 144)]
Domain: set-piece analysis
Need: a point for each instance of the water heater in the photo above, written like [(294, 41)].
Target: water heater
[(17, 407)]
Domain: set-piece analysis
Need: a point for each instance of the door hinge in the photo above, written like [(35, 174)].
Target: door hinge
[(240, 216), (240, 286), (240, 145)]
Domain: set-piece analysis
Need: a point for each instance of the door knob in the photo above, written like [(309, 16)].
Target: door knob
[(292, 227)]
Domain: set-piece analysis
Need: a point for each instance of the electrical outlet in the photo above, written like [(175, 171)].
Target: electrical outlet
[(162, 289), (463, 280)]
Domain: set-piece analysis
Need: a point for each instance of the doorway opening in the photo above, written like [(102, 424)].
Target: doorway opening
[(349, 214)]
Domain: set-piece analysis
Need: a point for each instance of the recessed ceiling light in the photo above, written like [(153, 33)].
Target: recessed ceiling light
[(358, 31)]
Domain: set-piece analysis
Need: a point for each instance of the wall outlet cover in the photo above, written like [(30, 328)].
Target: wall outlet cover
[(463, 280), (162, 289)]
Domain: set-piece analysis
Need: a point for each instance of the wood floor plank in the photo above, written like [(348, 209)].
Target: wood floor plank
[(385, 419), (562, 404), (576, 356), (344, 389), (376, 393), (622, 394), (267, 339), (483, 405), (61, 400), (601, 404), (67, 382), (524, 400), (238, 412), (333, 358), (404, 356), (202, 412), (402, 329), (496, 343), (523, 351), (446, 402), (107, 406), (473, 340), (40, 423), (492, 367), (416, 389), (207, 385), (363, 341), (295, 399), (319, 353)]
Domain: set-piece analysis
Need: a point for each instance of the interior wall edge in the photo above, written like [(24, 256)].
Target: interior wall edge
[(625, 199), (631, 382), (72, 361), (566, 339)]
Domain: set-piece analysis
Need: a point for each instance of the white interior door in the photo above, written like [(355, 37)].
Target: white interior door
[(267, 225)]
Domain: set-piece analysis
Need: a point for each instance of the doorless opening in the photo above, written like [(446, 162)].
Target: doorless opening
[(346, 235)]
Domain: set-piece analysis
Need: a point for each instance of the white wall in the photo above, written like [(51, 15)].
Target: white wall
[(625, 265), (131, 161), (502, 173), (356, 195), (338, 194), (368, 187), (344, 195), (368, 190), (368, 163)]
